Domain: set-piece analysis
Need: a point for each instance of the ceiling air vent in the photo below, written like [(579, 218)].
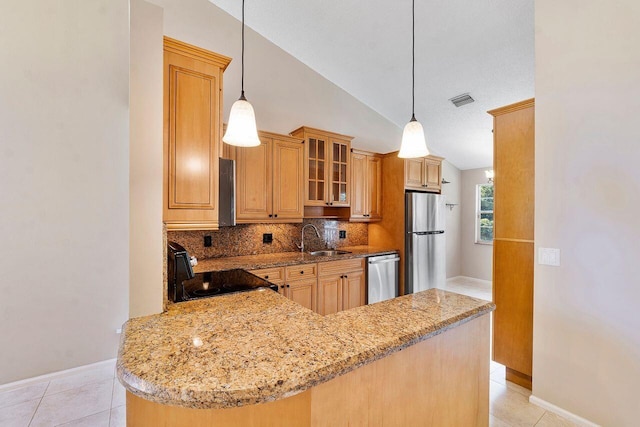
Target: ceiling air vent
[(461, 100)]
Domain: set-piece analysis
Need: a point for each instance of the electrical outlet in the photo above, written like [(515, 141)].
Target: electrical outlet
[(207, 241), (343, 234), (267, 238), (549, 256)]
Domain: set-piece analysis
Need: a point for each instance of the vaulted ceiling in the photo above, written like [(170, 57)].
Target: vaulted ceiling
[(481, 47)]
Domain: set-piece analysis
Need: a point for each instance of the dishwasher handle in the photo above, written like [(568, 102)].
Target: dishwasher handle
[(382, 261)]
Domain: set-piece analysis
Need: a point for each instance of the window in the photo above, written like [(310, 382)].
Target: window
[(484, 217)]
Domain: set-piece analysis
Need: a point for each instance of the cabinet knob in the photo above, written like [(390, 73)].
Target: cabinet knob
[(276, 215), (346, 277), (302, 272), (281, 286), (266, 277), (331, 204), (270, 216), (288, 286)]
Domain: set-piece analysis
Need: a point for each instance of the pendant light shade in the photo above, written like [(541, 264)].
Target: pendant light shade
[(413, 142), (241, 129)]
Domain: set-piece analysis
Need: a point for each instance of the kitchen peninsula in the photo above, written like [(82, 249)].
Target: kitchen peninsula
[(257, 358)]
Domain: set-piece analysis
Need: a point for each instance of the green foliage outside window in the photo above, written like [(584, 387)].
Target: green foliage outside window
[(485, 213)]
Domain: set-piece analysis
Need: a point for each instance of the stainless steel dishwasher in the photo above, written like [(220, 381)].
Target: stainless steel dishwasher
[(382, 277)]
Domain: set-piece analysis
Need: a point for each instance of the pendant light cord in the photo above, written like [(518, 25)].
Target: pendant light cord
[(242, 78), (413, 60)]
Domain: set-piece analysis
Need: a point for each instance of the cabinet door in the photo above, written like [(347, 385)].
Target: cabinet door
[(353, 290), (514, 164), (303, 292), (329, 294), (359, 186), (288, 175), (253, 182), (432, 175), (414, 173), (513, 295), (340, 155), (374, 187), (192, 147), (316, 186)]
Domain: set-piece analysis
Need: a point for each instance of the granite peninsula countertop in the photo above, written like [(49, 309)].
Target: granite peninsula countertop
[(282, 259), (253, 347)]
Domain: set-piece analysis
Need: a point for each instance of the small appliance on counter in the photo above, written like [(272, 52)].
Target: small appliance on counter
[(184, 285)]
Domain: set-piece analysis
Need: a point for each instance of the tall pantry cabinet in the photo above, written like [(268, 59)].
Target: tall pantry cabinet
[(513, 246), (192, 135)]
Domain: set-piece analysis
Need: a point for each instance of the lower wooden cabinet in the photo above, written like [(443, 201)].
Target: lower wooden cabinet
[(326, 287), (329, 294), (353, 290), (341, 285), (274, 275), (303, 292)]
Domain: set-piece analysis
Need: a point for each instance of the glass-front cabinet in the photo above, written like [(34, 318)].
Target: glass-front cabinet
[(327, 167), (340, 153)]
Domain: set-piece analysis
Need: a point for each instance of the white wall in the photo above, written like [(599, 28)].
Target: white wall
[(453, 194), (145, 271), (64, 168), (285, 93), (477, 258), (586, 354)]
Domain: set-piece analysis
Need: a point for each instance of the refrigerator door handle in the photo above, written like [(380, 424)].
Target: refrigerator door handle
[(385, 261), (425, 233)]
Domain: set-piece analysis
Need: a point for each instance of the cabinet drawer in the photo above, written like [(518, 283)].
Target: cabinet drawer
[(274, 275), (340, 267), (301, 271)]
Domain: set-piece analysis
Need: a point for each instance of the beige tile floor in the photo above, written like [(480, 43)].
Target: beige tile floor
[(89, 399), (96, 398)]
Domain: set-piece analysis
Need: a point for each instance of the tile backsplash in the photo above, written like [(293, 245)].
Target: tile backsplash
[(246, 239)]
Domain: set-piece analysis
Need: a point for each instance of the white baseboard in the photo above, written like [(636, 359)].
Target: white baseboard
[(562, 412), (55, 375), (484, 282)]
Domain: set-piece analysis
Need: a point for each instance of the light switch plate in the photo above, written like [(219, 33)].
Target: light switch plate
[(549, 256)]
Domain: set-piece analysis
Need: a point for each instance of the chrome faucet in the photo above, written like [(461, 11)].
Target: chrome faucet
[(301, 245)]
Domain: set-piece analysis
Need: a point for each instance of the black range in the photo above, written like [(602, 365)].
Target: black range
[(214, 283)]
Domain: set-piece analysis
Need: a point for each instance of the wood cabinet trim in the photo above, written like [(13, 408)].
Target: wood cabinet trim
[(195, 52), (309, 130), (512, 107)]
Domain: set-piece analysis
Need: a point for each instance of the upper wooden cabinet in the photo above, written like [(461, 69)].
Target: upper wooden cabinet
[(192, 135), (327, 167), (366, 186), (423, 174), (269, 180)]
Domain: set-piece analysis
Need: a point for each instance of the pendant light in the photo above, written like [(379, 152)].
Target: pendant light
[(241, 129), (413, 142)]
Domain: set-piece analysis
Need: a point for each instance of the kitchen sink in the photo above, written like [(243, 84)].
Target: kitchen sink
[(328, 253)]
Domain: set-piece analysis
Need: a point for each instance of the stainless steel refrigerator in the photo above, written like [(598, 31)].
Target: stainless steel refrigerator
[(425, 242)]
